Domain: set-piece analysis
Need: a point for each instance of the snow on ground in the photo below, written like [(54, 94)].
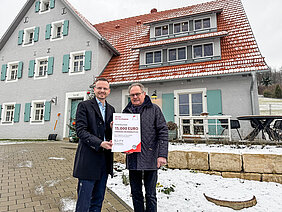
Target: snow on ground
[(68, 204), (189, 187), (27, 164), (55, 158), (239, 149)]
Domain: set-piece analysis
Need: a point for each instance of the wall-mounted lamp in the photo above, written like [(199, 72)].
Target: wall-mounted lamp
[(54, 100), (154, 95)]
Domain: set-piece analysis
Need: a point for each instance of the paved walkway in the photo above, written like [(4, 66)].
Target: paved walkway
[(38, 177)]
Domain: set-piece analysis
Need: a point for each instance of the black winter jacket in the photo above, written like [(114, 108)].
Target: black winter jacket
[(154, 137)]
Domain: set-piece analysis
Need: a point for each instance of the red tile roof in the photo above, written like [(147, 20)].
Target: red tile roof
[(239, 50)]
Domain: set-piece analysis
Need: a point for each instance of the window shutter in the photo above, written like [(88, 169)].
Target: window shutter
[(3, 72), (168, 106), (0, 111), (47, 111), (31, 68), (52, 4), (214, 106), (87, 60), (20, 37), (17, 113), (66, 27), (27, 112), (66, 61), (48, 32), (50, 65), (37, 6), (36, 34), (20, 69)]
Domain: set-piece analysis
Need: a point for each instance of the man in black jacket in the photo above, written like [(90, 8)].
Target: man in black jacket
[(154, 149), (93, 159)]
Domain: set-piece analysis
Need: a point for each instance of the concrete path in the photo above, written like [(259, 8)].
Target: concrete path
[(37, 176)]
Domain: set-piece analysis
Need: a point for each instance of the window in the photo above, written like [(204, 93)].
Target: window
[(38, 112), (57, 30), (162, 30), (202, 23), (28, 36), (177, 54), (180, 27), (190, 104), (204, 50), (45, 5), (77, 62), (153, 57), (9, 113), (12, 72), (41, 67)]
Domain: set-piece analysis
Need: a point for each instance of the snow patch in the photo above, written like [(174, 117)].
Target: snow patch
[(27, 164), (68, 205), (55, 158)]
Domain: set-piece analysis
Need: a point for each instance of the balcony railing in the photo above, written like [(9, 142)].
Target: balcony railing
[(205, 127)]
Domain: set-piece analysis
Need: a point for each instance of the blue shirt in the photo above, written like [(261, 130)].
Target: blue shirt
[(102, 108)]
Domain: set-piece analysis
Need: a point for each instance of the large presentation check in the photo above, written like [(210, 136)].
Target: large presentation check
[(126, 133)]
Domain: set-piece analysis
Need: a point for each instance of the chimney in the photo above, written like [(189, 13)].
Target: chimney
[(154, 10)]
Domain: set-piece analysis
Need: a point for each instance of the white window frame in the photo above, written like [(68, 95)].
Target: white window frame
[(72, 55), (27, 33), (4, 113), (161, 30), (202, 23), (203, 53), (9, 69), (54, 30), (32, 112), (160, 50), (37, 66), (181, 27), (41, 11), (179, 47)]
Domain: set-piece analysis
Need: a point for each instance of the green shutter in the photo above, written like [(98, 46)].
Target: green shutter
[(20, 69), (66, 61), (17, 113), (37, 6), (0, 111), (36, 34), (66, 28), (52, 4), (50, 65), (168, 106), (31, 68), (47, 111), (214, 105), (27, 112), (87, 60), (3, 72), (20, 37), (48, 32)]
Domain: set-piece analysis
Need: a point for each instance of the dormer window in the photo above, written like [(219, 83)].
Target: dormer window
[(177, 54), (204, 50), (153, 57), (202, 23), (162, 30), (180, 27)]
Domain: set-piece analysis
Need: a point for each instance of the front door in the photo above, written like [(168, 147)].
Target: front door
[(74, 103)]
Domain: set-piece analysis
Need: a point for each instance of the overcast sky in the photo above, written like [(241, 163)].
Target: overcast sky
[(265, 17)]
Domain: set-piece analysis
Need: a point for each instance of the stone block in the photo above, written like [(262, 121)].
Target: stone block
[(225, 162), (277, 178), (119, 157), (231, 174), (198, 160), (178, 160), (251, 176), (211, 172), (262, 163)]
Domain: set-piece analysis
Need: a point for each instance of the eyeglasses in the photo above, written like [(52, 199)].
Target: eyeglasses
[(135, 94)]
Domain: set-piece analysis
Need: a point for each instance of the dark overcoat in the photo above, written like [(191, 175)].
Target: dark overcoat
[(90, 158), (154, 137)]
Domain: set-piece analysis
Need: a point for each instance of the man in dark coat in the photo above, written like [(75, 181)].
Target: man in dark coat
[(154, 149), (93, 159)]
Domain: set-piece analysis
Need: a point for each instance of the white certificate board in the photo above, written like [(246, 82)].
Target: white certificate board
[(126, 133)]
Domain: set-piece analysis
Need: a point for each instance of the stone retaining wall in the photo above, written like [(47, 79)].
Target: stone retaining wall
[(260, 167)]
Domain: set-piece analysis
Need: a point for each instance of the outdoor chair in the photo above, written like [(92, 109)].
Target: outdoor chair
[(234, 124), (278, 128)]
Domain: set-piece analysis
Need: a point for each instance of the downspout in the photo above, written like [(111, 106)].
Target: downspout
[(252, 92)]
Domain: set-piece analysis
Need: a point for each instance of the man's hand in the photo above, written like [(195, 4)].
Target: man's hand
[(161, 162), (111, 124), (107, 144)]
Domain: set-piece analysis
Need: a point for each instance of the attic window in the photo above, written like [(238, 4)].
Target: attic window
[(180, 27), (204, 50), (202, 23), (162, 30), (44, 6)]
